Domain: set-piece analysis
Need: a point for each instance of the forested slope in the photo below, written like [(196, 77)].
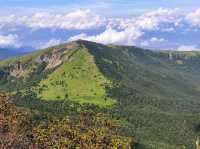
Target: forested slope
[(155, 95)]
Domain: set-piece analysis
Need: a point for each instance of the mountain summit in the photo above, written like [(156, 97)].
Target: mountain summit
[(155, 94)]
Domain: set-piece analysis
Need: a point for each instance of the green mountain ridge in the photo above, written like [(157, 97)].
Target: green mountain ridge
[(154, 93)]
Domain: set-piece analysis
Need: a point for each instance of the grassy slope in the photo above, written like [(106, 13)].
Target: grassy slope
[(79, 80), (157, 96)]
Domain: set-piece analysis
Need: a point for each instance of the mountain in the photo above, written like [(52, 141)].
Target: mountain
[(155, 95)]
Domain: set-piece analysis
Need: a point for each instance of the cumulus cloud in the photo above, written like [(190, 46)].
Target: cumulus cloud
[(116, 30), (80, 19), (194, 18), (188, 48), (110, 35), (86, 19), (154, 19), (132, 29), (9, 40)]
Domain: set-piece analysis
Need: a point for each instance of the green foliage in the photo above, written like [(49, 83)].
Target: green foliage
[(157, 97), (90, 131), (156, 94), (99, 135), (80, 79)]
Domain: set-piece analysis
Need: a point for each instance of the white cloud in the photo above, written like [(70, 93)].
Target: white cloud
[(171, 29), (86, 19), (9, 40), (6, 20), (132, 29), (154, 19), (194, 18), (127, 36), (50, 43), (155, 39), (188, 48), (80, 19), (117, 30)]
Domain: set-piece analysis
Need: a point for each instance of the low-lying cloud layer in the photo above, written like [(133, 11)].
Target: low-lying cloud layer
[(154, 29), (9, 40)]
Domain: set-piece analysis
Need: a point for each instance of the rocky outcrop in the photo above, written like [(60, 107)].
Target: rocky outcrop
[(52, 58), (56, 57), (16, 69)]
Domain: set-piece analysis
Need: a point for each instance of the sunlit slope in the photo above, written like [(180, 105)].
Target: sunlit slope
[(79, 80)]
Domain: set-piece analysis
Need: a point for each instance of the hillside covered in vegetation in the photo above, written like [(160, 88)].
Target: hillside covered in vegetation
[(145, 96), (26, 128)]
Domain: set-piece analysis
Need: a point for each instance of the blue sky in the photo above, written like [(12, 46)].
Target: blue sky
[(155, 24), (140, 4), (107, 7)]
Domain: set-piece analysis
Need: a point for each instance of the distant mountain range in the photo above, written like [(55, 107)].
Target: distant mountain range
[(155, 95), (8, 53)]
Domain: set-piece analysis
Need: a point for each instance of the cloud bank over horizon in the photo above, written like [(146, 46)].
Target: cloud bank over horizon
[(163, 28)]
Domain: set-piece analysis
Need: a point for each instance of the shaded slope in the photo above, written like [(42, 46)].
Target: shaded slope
[(157, 96)]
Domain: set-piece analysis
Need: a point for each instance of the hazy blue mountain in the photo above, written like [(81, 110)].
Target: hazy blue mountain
[(7, 53)]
